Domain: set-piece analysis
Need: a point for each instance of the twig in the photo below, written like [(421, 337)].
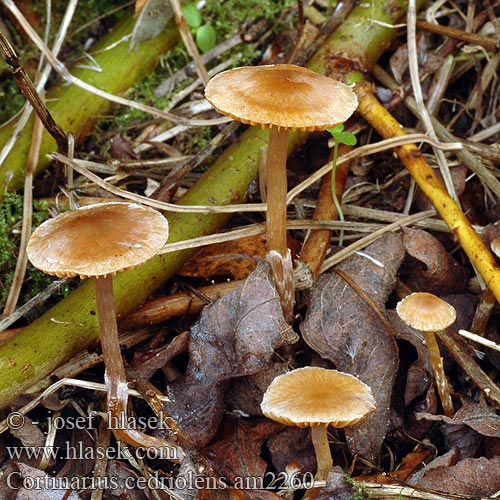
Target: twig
[(189, 43), (489, 43), (479, 339), (29, 91), (369, 149), (42, 80), (477, 252), (458, 351), (85, 384), (32, 303), (491, 183)]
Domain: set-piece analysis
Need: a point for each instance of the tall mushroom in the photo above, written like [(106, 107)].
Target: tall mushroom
[(280, 97), (317, 397), (97, 241), (428, 313)]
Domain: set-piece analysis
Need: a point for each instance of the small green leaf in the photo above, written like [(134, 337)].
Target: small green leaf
[(335, 130), (205, 37), (347, 138), (192, 15)]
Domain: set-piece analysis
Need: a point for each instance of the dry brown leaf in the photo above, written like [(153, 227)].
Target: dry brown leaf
[(245, 394), (236, 258), (234, 337), (482, 419), (479, 477), (236, 451), (292, 444), (438, 272), (341, 327), (46, 488)]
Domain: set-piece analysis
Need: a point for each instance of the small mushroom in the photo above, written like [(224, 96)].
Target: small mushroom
[(280, 97), (317, 397), (97, 241), (427, 313)]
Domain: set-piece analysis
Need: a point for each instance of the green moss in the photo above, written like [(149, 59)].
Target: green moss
[(11, 215)]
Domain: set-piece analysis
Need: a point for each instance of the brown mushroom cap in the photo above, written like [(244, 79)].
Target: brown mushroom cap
[(426, 312), (495, 246), (97, 240), (283, 95), (312, 396)]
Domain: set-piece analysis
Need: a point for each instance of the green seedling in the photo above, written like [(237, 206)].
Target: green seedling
[(349, 139), (204, 34)]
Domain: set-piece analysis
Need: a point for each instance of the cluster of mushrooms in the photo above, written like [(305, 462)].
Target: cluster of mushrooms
[(123, 235)]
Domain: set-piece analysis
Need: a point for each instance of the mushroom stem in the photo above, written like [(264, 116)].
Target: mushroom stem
[(439, 375), (324, 460), (276, 190), (116, 382), (322, 449)]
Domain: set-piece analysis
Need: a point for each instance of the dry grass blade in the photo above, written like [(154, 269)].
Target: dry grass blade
[(22, 259)]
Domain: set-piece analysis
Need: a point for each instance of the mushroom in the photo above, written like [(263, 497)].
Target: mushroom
[(428, 313), (317, 397), (280, 97), (98, 241)]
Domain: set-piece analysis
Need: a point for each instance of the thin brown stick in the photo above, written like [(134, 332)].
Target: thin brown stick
[(487, 42), (459, 352), (28, 89), (22, 259)]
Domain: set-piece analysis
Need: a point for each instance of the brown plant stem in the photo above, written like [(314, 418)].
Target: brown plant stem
[(459, 351), (317, 243), (489, 43), (276, 190), (439, 374)]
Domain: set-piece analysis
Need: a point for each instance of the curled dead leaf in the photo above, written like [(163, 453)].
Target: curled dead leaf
[(354, 335)]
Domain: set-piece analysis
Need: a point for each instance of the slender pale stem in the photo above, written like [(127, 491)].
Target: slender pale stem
[(276, 190), (324, 460), (439, 375), (115, 378)]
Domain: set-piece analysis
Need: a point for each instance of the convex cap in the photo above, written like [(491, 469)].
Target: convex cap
[(97, 240), (426, 312), (311, 396), (281, 95)]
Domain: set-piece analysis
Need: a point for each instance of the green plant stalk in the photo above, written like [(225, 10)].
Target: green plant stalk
[(334, 190), (72, 326), (75, 109)]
